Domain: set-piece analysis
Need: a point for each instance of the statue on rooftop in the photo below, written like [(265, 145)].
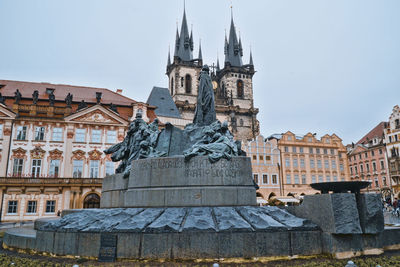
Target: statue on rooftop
[(18, 96), (205, 107), (2, 99), (35, 97), (52, 98), (82, 105), (68, 99)]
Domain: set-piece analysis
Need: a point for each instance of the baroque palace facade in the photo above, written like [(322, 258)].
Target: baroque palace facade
[(52, 138)]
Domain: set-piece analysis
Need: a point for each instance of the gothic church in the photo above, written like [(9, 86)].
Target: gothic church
[(233, 86)]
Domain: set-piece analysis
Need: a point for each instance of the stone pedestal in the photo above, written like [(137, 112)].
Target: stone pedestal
[(172, 182)]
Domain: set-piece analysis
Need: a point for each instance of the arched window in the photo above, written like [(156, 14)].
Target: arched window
[(239, 86), (92, 201), (188, 84), (172, 86)]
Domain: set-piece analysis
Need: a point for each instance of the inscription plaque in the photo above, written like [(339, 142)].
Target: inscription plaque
[(108, 247)]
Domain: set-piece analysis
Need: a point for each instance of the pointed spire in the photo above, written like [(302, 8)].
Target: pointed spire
[(251, 58), (169, 57), (233, 51), (191, 39), (176, 42), (184, 45), (200, 54), (218, 64)]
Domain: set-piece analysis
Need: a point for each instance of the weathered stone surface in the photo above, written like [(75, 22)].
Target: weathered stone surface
[(345, 214), (272, 243), (289, 220), (306, 242), (229, 220), (371, 214), (169, 221), (138, 222), (260, 220), (199, 219)]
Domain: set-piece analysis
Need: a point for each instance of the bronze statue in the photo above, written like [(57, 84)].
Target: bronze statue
[(35, 97), (205, 107), (68, 99), (18, 97)]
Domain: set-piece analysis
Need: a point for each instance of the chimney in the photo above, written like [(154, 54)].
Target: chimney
[(119, 91)]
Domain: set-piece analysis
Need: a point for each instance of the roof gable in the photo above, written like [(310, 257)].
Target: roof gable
[(5, 113), (96, 114)]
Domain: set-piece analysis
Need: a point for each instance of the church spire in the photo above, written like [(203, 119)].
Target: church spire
[(169, 58), (200, 54), (184, 46), (176, 41), (251, 59), (233, 47)]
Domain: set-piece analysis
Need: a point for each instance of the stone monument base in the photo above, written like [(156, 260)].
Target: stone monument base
[(174, 182)]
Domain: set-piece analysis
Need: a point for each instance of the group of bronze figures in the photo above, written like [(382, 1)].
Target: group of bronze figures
[(205, 136)]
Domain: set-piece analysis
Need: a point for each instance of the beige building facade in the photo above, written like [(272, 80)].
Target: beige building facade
[(392, 140), (306, 159), (265, 162)]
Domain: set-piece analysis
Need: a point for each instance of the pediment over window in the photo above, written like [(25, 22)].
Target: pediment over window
[(37, 153), (97, 115)]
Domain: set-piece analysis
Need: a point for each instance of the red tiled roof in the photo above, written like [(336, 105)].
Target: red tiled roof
[(8, 88), (376, 132)]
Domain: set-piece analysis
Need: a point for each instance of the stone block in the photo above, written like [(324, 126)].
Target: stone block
[(290, 221), (345, 214), (88, 244), (370, 212), (219, 196), (259, 220), (245, 196), (306, 242), (106, 199), (44, 241), (272, 244), (229, 220), (179, 197), (128, 245), (38, 223), (390, 237), (156, 246), (20, 238), (169, 221), (338, 243), (192, 245), (236, 244), (145, 198), (138, 222), (199, 219)]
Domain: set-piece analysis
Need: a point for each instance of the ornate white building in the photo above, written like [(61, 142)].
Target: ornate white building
[(51, 147)]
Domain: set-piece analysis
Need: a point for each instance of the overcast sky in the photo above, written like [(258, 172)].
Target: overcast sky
[(322, 66)]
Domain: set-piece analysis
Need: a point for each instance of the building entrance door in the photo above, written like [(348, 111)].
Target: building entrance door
[(92, 201)]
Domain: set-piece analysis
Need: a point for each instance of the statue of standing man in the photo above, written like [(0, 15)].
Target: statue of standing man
[(205, 108)]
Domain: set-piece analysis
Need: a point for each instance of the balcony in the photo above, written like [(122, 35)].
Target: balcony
[(15, 181)]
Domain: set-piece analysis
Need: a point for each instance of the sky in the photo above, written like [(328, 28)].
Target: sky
[(322, 66)]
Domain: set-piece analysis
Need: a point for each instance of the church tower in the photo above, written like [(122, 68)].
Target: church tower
[(234, 92), (184, 70)]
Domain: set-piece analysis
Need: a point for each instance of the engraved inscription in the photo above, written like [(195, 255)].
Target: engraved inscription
[(108, 247)]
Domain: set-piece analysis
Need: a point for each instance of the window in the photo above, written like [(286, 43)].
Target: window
[(54, 167), (355, 170), (288, 179), (303, 179), (310, 139), (335, 178), (320, 179), (254, 157), (301, 150), (17, 168), (39, 133), (374, 166), (332, 152), (57, 134), (289, 138), (325, 151), (366, 154), (96, 136), (12, 207), (367, 166), (359, 156), (182, 81), (265, 178), (296, 179), (110, 168), (319, 164), (255, 177), (340, 155), (382, 165), (342, 178), (240, 93), (261, 158), (351, 170), (333, 164), (294, 149), (274, 179), (361, 168), (328, 178), (327, 140), (36, 166), (390, 139), (313, 179), (326, 163), (267, 158), (318, 150), (302, 163), (380, 151), (94, 169), (376, 182), (111, 137), (31, 208), (287, 162), (286, 149), (188, 84), (341, 167), (372, 153), (21, 133), (50, 206), (80, 135), (295, 163), (312, 163), (384, 180), (1, 130), (311, 150), (77, 168)]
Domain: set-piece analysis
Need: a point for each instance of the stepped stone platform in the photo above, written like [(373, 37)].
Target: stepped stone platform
[(192, 232)]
